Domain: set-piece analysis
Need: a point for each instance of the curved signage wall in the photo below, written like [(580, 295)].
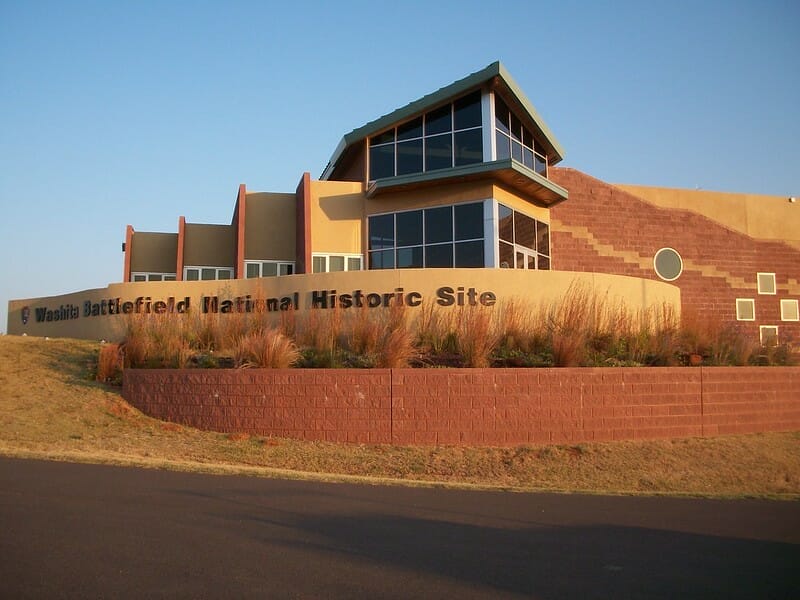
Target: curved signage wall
[(101, 313)]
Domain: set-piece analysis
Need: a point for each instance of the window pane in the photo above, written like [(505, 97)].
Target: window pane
[(409, 228), (438, 121), (544, 263), (505, 225), (524, 231), (318, 264), (467, 111), (439, 224), (527, 138), (382, 138), (252, 270), (409, 157), (155, 277), (500, 115), (469, 254), (543, 238), (381, 162), (540, 164), (269, 269), (383, 259), (192, 275), (354, 263), (336, 263), (409, 258), (503, 147), (506, 255), (527, 157), (224, 274), (381, 232), (439, 256), (468, 221), (516, 128), (169, 277), (208, 274), (516, 151), (285, 269), (439, 152), (469, 147), (412, 129), (140, 277)]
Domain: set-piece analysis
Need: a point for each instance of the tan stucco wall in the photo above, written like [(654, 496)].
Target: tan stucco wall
[(337, 217), (209, 245), (269, 228), (154, 252), (507, 285), (761, 217), (431, 196)]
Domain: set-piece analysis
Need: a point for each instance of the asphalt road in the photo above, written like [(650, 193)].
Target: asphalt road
[(84, 531)]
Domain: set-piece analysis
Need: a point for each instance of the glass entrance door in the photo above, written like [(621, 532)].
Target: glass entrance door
[(526, 259)]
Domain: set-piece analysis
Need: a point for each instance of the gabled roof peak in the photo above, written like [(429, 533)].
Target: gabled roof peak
[(495, 75)]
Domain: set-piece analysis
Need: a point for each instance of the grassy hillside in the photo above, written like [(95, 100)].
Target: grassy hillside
[(50, 408)]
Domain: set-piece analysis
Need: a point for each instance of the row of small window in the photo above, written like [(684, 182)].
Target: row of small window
[(152, 276), (445, 137), (746, 309)]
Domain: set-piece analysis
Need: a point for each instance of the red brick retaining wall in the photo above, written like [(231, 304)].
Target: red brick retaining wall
[(473, 406)]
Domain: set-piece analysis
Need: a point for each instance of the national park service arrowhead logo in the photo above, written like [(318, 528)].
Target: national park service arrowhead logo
[(26, 314)]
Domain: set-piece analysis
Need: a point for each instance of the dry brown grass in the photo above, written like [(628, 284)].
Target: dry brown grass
[(51, 408)]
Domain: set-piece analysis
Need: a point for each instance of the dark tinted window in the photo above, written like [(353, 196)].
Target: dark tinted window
[(500, 114), (381, 232), (438, 121), (439, 256), (468, 221), (503, 146), (467, 111), (469, 254), (524, 231), (412, 129), (505, 222), (469, 147), (409, 157), (543, 238), (438, 152), (409, 258), (381, 162), (382, 138), (438, 225), (384, 259), (409, 228)]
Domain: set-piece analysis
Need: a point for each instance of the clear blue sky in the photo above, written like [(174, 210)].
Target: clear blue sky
[(116, 113)]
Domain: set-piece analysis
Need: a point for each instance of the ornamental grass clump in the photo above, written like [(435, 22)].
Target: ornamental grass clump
[(265, 349)]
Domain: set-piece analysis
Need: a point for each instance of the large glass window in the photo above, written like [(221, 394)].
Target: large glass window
[(441, 236), (514, 140), (524, 242), (442, 138)]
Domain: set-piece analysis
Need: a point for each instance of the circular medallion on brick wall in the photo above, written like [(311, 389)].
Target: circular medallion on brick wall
[(668, 264)]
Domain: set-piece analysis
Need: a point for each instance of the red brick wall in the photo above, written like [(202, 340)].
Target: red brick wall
[(630, 225), (490, 407)]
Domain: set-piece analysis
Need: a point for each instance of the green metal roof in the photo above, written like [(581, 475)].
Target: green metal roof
[(513, 94)]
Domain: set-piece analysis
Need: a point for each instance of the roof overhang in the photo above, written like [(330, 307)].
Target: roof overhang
[(516, 176)]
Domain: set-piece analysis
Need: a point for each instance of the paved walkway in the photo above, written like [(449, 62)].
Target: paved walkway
[(81, 531)]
